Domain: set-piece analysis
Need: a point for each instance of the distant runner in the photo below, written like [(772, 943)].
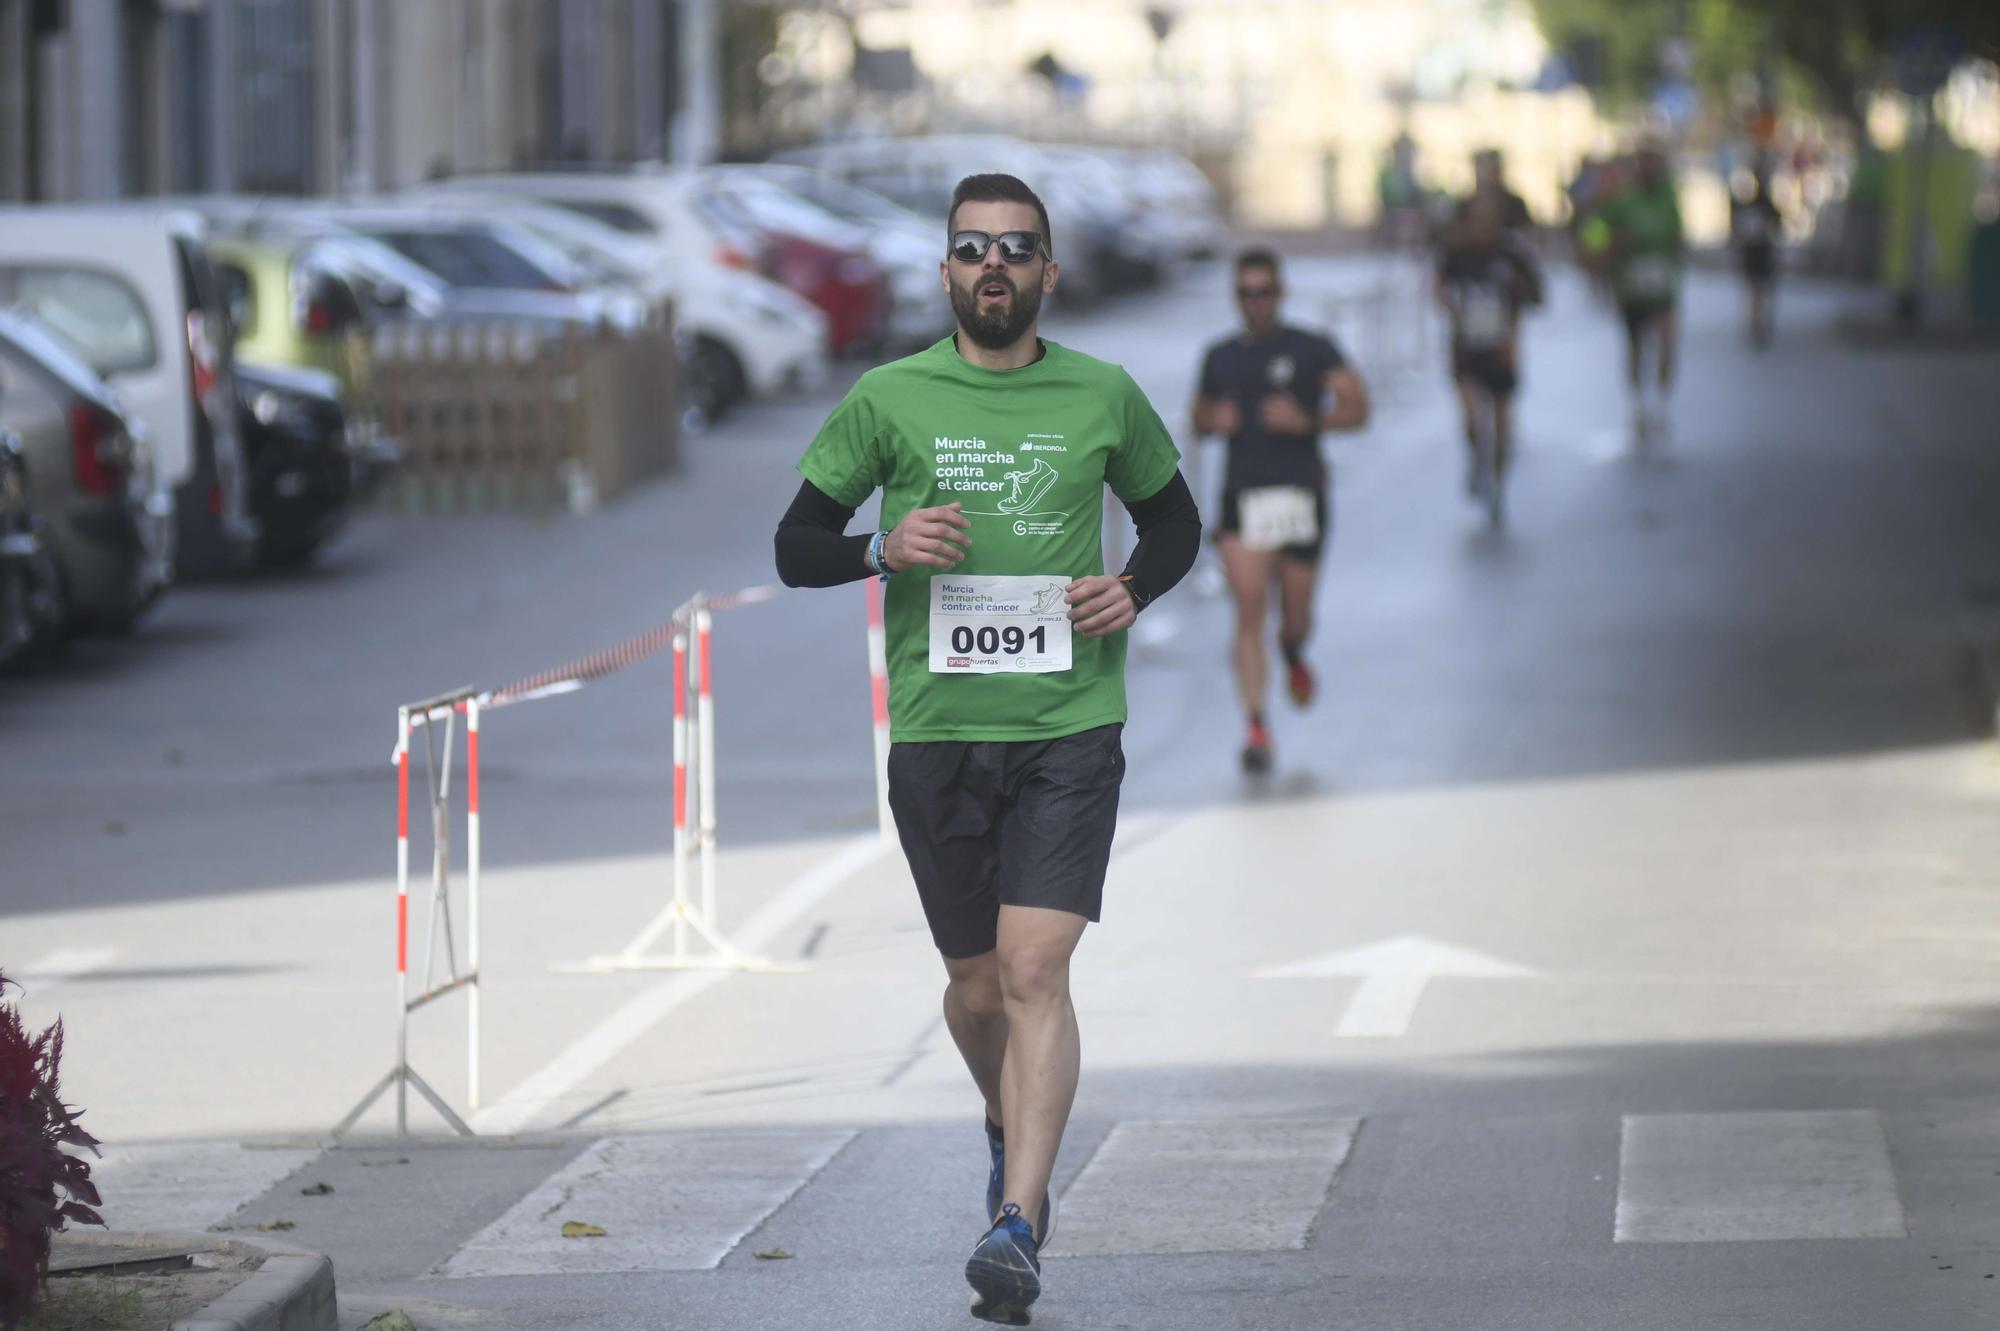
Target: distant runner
[(1645, 256), (1486, 277), (1755, 224), (1270, 391), (1006, 643)]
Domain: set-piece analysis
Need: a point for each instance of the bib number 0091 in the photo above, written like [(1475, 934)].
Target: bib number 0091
[(988, 640), (1011, 624)]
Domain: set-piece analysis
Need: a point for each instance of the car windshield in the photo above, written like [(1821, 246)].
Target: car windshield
[(467, 259), (849, 201), (765, 206)]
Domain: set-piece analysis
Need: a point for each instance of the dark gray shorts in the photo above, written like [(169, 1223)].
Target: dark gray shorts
[(1023, 823)]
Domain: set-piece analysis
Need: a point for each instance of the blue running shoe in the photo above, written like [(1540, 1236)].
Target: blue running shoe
[(1005, 1270), (996, 1182)]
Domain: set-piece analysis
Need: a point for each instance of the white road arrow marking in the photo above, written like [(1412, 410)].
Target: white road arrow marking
[(1393, 974)]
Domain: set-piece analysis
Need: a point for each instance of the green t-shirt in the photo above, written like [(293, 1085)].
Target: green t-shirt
[(1028, 453), (1649, 220)]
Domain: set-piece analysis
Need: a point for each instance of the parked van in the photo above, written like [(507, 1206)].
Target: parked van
[(131, 291)]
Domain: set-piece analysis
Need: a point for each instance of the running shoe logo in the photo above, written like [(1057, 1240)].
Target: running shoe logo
[(1028, 486), (1050, 601)]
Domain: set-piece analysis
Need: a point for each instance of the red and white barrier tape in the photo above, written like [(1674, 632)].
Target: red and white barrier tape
[(573, 676)]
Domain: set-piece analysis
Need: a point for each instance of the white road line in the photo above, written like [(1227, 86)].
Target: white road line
[(1223, 1185), (185, 1185), (1714, 1178), (65, 963), (515, 1110), (671, 1202)]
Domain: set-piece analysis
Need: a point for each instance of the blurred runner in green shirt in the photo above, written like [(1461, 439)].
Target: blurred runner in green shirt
[(1646, 248)]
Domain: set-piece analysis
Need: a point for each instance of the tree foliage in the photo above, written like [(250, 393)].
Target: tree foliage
[(1843, 48)]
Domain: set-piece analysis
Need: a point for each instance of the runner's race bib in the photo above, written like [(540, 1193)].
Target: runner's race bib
[(1482, 316), (1274, 516), (1650, 276), (999, 625)]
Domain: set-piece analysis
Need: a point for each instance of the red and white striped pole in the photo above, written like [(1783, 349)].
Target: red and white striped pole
[(680, 786), (704, 628), (878, 687), (402, 916), (472, 897)]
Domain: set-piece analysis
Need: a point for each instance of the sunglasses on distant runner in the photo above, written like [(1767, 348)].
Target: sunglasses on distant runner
[(1257, 293), (1015, 246)]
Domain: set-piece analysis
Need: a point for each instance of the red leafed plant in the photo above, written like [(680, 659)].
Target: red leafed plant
[(34, 1125)]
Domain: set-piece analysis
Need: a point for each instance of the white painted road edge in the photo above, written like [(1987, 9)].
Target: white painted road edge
[(518, 1107)]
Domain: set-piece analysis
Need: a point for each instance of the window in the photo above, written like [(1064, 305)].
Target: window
[(98, 315), (240, 295), (620, 215), (469, 259)]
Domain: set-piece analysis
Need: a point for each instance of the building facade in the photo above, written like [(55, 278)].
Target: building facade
[(108, 99)]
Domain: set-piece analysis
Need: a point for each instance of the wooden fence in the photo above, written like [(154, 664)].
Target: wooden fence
[(496, 414)]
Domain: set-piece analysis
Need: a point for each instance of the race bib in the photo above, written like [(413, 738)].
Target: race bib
[(1650, 276), (1482, 317), (999, 625), (1274, 516)]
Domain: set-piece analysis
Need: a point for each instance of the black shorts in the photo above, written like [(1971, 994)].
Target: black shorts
[(1016, 823), (1485, 367), (1638, 314), (1306, 552), (1760, 262)]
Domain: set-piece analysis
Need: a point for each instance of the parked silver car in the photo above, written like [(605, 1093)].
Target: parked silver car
[(30, 592), (89, 476)]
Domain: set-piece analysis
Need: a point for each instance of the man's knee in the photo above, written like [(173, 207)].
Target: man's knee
[(974, 987), (1032, 976)]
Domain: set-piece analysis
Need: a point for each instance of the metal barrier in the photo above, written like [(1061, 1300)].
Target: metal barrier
[(689, 635), (694, 811), (430, 714)]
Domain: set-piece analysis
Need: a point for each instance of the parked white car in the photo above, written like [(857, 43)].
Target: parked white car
[(747, 335), (130, 290)]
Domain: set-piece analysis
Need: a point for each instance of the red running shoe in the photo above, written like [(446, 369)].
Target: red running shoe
[(1299, 681), (1257, 750)]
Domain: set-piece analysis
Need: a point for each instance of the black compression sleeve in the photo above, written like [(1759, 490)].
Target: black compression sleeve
[(1169, 539), (813, 550)]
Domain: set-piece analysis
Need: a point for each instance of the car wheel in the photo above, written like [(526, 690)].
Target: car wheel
[(715, 377), (46, 606)]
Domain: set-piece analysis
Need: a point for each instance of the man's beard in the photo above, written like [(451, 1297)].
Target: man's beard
[(1002, 325)]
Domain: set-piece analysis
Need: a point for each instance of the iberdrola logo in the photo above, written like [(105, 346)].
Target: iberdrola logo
[(1028, 487)]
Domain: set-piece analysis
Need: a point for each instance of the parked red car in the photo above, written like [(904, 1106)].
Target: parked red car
[(820, 256)]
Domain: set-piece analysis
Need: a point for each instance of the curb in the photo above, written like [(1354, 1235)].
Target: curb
[(291, 1291)]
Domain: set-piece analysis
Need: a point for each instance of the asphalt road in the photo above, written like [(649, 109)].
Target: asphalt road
[(1612, 946)]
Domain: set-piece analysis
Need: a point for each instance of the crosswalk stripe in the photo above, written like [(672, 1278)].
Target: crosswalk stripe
[(1224, 1185), (1709, 1178), (185, 1185), (672, 1202)]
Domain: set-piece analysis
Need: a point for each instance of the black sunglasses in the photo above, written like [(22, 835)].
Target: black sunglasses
[(1015, 246), (1256, 293)]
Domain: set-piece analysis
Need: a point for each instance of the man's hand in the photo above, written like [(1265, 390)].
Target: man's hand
[(1282, 414), (1101, 605), (935, 537)]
